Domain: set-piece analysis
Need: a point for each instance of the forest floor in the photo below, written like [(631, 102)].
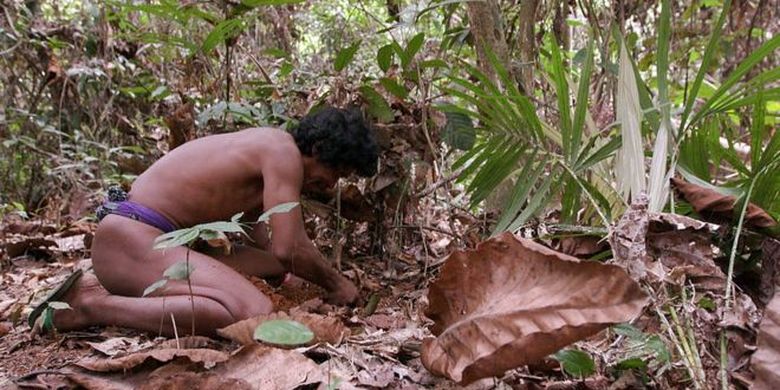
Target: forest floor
[(380, 349), (376, 345)]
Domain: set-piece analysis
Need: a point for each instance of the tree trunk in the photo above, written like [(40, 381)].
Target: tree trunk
[(526, 44), (487, 29), (488, 32)]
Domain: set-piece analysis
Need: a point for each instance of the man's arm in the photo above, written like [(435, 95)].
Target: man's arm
[(289, 243)]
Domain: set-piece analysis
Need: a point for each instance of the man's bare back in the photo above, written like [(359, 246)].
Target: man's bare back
[(212, 179)]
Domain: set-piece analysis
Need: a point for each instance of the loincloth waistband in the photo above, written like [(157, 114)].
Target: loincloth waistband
[(118, 204)]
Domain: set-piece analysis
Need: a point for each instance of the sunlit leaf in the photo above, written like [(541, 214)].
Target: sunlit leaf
[(221, 226), (155, 286), (280, 208), (179, 271), (56, 305), (176, 238)]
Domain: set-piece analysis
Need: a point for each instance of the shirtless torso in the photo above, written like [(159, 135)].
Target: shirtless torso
[(208, 179)]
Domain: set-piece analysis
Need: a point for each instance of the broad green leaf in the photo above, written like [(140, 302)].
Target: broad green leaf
[(575, 362), (280, 208), (345, 55), (155, 286), (283, 332), (56, 305), (412, 48), (459, 132), (179, 271), (176, 238), (394, 87), (384, 57), (377, 105)]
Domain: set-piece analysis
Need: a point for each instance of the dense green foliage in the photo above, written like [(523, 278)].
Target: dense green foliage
[(87, 86)]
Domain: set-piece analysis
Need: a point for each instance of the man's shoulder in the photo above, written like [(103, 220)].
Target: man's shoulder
[(272, 140)]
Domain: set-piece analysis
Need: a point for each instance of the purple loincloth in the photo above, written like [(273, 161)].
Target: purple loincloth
[(138, 212)]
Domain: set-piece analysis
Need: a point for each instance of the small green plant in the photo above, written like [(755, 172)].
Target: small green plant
[(283, 332), (48, 315), (213, 232), (642, 351), (575, 362)]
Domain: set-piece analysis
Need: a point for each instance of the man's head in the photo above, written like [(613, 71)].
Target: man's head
[(337, 143)]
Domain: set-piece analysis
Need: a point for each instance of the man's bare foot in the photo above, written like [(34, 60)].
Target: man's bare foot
[(81, 297)]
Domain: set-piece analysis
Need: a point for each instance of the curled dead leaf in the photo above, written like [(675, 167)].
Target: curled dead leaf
[(325, 329), (512, 301), (718, 207), (685, 251), (766, 360), (35, 245)]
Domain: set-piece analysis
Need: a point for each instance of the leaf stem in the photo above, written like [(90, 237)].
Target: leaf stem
[(189, 286)]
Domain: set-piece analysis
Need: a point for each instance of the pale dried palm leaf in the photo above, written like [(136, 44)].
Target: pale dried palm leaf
[(630, 171)]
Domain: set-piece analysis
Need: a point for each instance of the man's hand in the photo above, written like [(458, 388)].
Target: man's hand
[(345, 293)]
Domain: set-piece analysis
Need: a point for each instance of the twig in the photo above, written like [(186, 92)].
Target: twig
[(433, 187), (433, 229), (175, 332), (192, 296)]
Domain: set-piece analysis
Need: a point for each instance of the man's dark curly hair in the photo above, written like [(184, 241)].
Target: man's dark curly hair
[(340, 139)]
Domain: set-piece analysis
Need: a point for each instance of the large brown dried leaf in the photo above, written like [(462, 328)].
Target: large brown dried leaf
[(719, 207), (272, 368), (512, 301), (325, 329), (253, 367), (208, 357), (766, 360)]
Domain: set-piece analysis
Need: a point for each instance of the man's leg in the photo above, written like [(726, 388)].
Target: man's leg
[(126, 264), (250, 261), (94, 306)]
